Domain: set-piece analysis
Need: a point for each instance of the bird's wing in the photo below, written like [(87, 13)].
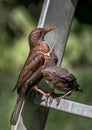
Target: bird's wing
[(31, 65), (66, 75), (59, 73)]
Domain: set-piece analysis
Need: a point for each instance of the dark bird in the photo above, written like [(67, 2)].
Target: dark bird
[(30, 74), (59, 78)]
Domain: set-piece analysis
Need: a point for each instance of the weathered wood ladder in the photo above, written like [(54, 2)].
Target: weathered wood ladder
[(58, 14)]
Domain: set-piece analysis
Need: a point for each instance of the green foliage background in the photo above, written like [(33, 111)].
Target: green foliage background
[(17, 19)]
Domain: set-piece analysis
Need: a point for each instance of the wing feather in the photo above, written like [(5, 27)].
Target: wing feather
[(31, 65)]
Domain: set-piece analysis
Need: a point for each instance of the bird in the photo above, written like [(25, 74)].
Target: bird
[(30, 74), (59, 78)]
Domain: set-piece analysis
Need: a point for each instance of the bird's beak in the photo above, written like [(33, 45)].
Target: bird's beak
[(49, 29)]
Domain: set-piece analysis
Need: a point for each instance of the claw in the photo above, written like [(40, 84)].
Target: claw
[(47, 95), (52, 96), (62, 97), (59, 99), (50, 100)]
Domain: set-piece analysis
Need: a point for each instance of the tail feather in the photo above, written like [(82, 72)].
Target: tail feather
[(17, 110)]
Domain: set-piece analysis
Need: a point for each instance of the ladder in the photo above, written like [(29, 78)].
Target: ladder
[(58, 14)]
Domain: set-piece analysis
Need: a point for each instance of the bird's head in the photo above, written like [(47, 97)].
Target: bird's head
[(38, 34)]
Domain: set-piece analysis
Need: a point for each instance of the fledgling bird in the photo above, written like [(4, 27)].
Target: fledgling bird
[(59, 78), (31, 71)]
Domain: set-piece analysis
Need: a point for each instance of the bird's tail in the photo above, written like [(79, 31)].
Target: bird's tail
[(17, 110)]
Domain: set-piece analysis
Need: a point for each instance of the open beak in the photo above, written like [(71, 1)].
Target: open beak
[(49, 29)]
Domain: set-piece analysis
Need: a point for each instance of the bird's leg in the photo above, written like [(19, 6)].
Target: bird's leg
[(42, 92), (38, 90), (62, 97), (67, 94)]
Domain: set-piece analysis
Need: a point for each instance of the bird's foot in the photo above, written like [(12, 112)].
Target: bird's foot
[(62, 97), (53, 96), (59, 99), (50, 97), (47, 95)]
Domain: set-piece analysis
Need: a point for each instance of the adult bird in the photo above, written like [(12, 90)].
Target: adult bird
[(31, 69)]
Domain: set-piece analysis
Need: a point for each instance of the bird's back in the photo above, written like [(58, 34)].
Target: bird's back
[(60, 78)]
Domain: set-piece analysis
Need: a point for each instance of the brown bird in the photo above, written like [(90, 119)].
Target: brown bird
[(31, 73), (59, 78)]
